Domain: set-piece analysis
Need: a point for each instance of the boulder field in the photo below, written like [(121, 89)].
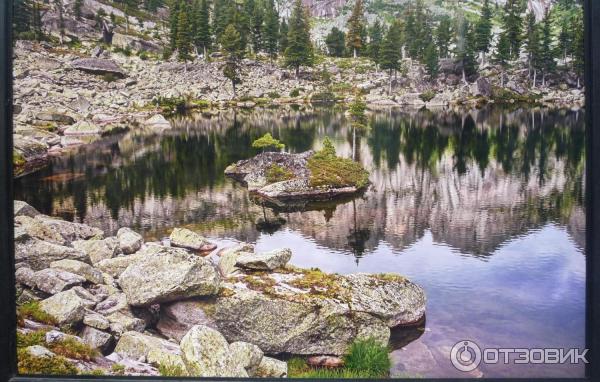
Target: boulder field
[(146, 307)]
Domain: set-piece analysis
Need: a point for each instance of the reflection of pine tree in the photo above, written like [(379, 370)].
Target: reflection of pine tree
[(358, 237)]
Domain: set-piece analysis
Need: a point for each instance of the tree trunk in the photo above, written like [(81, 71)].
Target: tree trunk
[(354, 143), (502, 79), (390, 84), (534, 77), (355, 55), (107, 33), (233, 85), (464, 77), (298, 72), (205, 53)]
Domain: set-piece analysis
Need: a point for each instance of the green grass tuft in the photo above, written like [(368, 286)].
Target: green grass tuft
[(368, 356), (171, 370), (32, 311), (28, 364)]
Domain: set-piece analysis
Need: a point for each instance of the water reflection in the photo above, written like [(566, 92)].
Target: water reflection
[(483, 208)]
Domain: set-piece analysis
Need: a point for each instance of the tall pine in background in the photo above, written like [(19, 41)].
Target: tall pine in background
[(355, 37), (299, 51), (513, 25), (336, 42), (183, 42), (483, 30), (375, 41), (231, 46), (390, 52), (502, 55), (547, 50), (271, 31), (283, 36), (443, 36), (532, 43), (202, 33)]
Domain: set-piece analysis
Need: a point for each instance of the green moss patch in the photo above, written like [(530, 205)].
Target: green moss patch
[(330, 171), (28, 364), (276, 173), (32, 311)]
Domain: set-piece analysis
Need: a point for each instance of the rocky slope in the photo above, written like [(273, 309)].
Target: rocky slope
[(150, 308)]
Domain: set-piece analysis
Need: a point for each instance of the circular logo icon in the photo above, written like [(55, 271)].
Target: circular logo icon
[(465, 355)]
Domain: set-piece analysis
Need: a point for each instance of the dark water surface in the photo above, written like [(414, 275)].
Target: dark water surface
[(484, 209)]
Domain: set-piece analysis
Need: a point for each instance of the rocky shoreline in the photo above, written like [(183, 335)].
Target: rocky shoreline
[(181, 307), (64, 98)]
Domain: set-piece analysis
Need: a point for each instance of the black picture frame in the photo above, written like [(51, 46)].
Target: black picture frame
[(8, 324)]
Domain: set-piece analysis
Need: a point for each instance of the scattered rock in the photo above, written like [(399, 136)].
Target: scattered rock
[(246, 354), (97, 339), (40, 254), (79, 268), (152, 350), (98, 66), (181, 274), (272, 368), (184, 238), (66, 307), (206, 353), (98, 250), (325, 361), (53, 281), (82, 128), (228, 257), (157, 121), (23, 209), (265, 261), (39, 351), (177, 318), (129, 241)]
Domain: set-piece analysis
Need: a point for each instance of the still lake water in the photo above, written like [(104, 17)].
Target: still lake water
[(484, 209)]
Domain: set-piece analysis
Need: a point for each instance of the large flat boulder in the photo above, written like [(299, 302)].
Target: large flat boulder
[(53, 281), (178, 317), (98, 66), (169, 275), (184, 238), (98, 250)]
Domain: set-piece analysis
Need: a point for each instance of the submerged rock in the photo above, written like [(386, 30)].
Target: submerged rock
[(169, 275)]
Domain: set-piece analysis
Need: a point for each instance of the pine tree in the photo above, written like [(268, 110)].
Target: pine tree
[(443, 36), (36, 22), (299, 51), (565, 38), (390, 52), (547, 51), (336, 42), (173, 21), (513, 25), (256, 27), (431, 60), (223, 15), (271, 32), (532, 42), (410, 32), (502, 55), (77, 4), (184, 41), (129, 6), (578, 48), (231, 45), (61, 19), (283, 36), (22, 15), (356, 29), (465, 48), (202, 35), (483, 30), (375, 41)]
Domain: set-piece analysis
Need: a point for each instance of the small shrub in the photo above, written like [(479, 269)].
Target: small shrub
[(276, 173), (267, 141), (167, 53), (28, 364), (427, 95), (171, 370), (109, 77), (295, 93), (32, 311), (18, 159), (118, 369), (71, 348), (30, 339), (143, 55), (368, 356), (274, 95)]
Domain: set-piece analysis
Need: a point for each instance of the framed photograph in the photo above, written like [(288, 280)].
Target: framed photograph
[(308, 189)]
